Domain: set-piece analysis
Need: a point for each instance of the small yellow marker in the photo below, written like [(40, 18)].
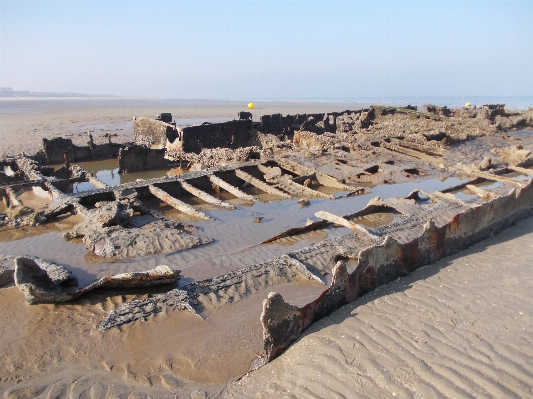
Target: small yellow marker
[(251, 105), (467, 105)]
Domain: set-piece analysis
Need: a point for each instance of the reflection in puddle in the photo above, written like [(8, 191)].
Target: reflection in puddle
[(465, 195), (520, 133), (79, 187), (376, 219), (517, 176), (107, 172)]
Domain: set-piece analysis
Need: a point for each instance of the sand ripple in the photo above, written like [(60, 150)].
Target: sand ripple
[(459, 328)]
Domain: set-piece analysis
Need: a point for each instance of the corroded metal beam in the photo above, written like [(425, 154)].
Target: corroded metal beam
[(411, 153), (299, 190), (205, 196), (176, 203), (259, 184), (494, 177), (524, 171), (322, 178), (231, 189)]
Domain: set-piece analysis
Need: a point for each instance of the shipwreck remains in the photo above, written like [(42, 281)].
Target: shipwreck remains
[(44, 282), (306, 159)]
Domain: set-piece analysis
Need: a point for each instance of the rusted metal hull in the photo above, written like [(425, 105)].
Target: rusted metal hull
[(389, 259)]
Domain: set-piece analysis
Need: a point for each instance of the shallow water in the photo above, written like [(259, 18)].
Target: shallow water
[(107, 171), (236, 236)]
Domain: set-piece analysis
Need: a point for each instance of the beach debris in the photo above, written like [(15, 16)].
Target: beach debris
[(284, 156), (42, 281), (244, 115), (218, 291), (258, 219), (304, 202), (486, 164), (6, 270), (111, 230)]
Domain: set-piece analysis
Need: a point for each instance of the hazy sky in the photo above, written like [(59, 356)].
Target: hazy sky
[(268, 49)]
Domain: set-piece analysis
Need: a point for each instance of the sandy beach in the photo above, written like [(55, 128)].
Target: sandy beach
[(460, 327), (25, 121)]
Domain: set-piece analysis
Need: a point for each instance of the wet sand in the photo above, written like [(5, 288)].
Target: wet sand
[(461, 327), (177, 353)]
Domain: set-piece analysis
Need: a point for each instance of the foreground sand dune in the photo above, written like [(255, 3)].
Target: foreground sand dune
[(461, 327)]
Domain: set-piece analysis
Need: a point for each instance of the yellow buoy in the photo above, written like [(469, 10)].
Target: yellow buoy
[(251, 105), (467, 105)]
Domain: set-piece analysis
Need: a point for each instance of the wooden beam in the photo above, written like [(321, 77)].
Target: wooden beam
[(95, 182), (428, 149), (444, 196), (322, 178)]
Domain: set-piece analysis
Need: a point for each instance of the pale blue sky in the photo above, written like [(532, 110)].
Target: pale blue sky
[(268, 49)]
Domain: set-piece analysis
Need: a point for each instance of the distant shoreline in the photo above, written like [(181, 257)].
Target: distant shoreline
[(511, 102)]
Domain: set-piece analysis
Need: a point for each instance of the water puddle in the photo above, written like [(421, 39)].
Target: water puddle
[(520, 134), (376, 219), (34, 197), (236, 235), (61, 224), (107, 171), (465, 195), (78, 187), (517, 176)]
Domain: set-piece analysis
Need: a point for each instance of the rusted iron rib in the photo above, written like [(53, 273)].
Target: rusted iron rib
[(493, 177), (231, 189), (480, 192), (259, 184), (297, 230), (322, 178), (96, 183), (299, 190), (524, 171), (13, 198), (343, 222), (205, 196), (176, 203), (428, 149)]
